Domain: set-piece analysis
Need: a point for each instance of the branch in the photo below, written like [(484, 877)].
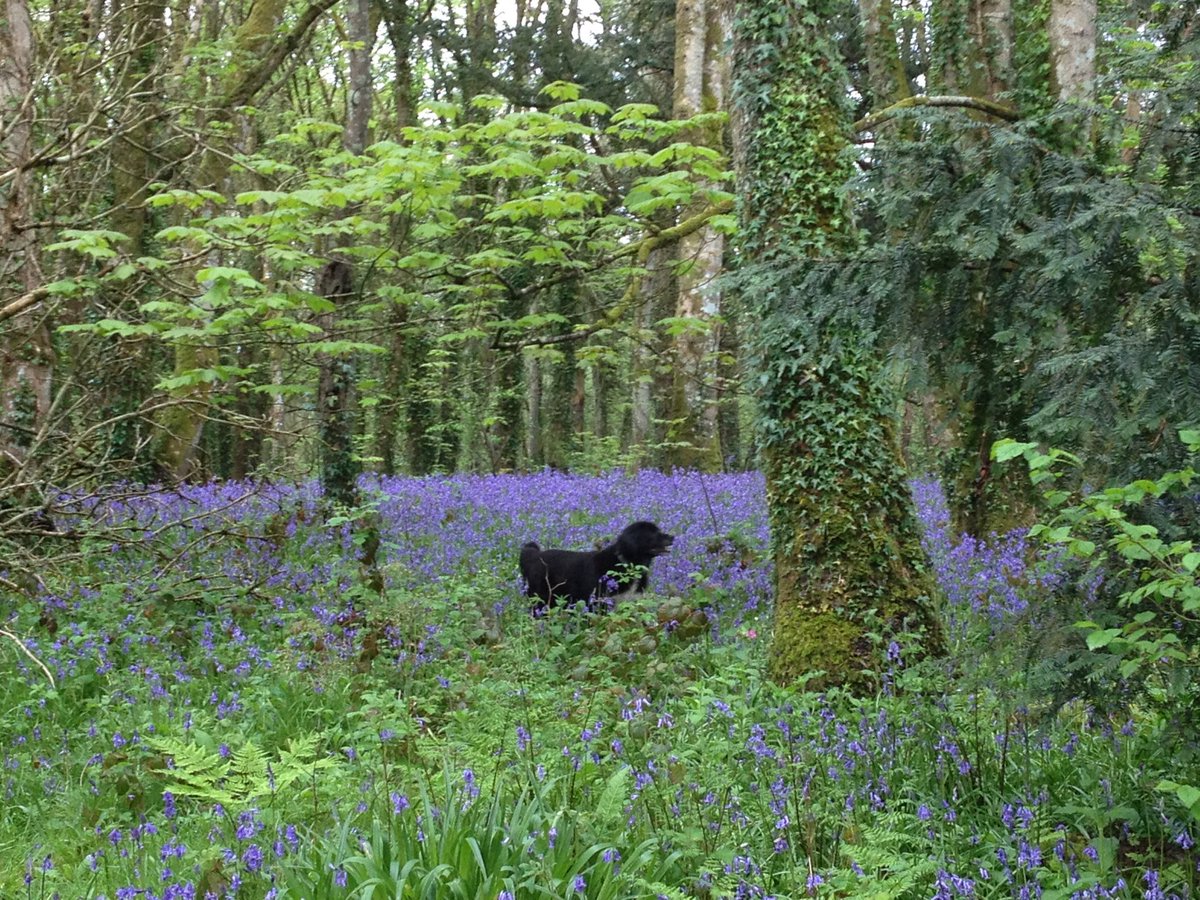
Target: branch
[(642, 249), (256, 78), (989, 107), (22, 303), (16, 640)]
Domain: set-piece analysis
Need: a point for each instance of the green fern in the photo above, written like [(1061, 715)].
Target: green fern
[(893, 864), (246, 775), (197, 772)]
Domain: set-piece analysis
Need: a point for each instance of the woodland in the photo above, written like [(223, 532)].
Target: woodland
[(314, 312)]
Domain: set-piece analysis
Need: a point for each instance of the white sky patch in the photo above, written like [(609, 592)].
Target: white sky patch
[(589, 18)]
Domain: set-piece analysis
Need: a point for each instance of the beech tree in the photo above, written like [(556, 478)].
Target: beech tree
[(702, 76)]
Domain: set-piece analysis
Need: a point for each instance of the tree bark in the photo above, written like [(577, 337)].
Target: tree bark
[(885, 65), (132, 168), (973, 41), (654, 293), (702, 74), (337, 374), (1072, 32), (26, 352), (534, 456), (255, 60), (335, 399)]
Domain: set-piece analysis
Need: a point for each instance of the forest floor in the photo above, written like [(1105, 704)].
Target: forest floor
[(236, 712)]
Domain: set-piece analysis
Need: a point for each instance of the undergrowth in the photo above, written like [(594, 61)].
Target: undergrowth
[(235, 714)]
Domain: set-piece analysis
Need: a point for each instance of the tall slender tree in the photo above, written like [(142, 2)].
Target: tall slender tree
[(702, 73), (1072, 32), (26, 353), (337, 372), (256, 55)]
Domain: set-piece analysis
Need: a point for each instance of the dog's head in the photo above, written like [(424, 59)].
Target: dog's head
[(642, 541)]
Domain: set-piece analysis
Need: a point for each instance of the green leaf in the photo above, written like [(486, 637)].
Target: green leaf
[(1098, 639), (1006, 449), (1187, 794), (561, 91)]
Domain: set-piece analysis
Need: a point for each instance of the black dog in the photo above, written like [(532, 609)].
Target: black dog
[(584, 576)]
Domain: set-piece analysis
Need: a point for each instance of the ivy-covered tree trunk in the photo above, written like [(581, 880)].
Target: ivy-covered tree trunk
[(847, 559), (885, 66), (973, 40)]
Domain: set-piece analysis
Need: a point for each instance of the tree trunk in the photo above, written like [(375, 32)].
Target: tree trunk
[(534, 457), (132, 168), (655, 291), (885, 65), (847, 559), (1072, 33), (338, 374), (974, 46), (702, 74), (398, 20), (255, 59), (335, 399), (26, 353)]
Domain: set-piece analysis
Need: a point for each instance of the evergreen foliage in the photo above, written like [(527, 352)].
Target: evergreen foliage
[(1040, 275)]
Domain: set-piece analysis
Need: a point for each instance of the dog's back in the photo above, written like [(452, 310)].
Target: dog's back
[(561, 574)]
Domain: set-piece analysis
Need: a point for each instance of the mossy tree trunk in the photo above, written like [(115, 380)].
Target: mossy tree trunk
[(257, 54), (847, 560)]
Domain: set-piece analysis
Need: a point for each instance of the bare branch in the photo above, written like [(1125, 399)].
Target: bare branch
[(16, 640), (22, 303), (990, 107)]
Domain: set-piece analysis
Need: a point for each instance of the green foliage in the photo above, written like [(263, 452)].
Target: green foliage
[(1151, 578), (244, 776), (450, 844), (322, 749), (1041, 273), (453, 233)]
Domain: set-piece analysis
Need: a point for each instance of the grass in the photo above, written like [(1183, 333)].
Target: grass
[(235, 714)]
